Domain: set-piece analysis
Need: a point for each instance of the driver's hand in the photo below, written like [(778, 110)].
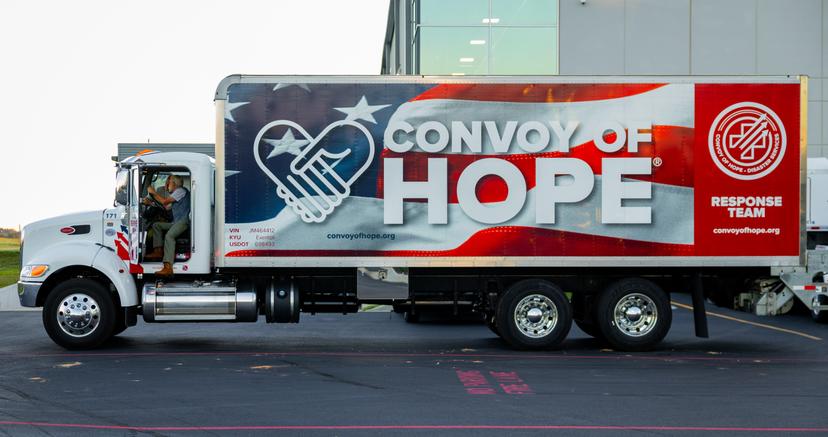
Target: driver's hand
[(146, 201)]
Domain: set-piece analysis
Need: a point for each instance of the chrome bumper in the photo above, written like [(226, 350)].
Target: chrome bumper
[(27, 293)]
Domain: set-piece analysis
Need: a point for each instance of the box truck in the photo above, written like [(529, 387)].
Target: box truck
[(534, 201)]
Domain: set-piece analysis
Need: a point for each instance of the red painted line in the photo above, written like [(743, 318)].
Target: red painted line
[(412, 427), (612, 357)]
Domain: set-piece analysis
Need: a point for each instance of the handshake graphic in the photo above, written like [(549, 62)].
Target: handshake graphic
[(322, 169)]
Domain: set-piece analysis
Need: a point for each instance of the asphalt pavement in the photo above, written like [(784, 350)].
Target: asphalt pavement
[(372, 373)]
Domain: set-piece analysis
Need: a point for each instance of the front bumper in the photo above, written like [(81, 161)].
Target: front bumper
[(27, 293)]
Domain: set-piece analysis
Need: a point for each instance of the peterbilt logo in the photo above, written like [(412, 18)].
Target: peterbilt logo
[(747, 140), (75, 230)]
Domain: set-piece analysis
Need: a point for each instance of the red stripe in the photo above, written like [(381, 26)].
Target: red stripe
[(509, 241), (672, 144), (121, 245), (536, 93)]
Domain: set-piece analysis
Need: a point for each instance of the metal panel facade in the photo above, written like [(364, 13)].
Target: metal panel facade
[(723, 37), (669, 52), (592, 37), (740, 37)]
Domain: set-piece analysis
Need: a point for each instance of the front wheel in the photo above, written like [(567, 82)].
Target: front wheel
[(533, 314), (634, 314), (79, 314)]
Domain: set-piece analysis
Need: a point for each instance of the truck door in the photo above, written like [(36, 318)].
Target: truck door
[(134, 214)]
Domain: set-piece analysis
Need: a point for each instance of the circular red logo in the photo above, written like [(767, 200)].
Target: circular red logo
[(747, 140)]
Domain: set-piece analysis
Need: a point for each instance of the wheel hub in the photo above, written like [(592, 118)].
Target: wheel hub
[(78, 315), (536, 316), (635, 315)]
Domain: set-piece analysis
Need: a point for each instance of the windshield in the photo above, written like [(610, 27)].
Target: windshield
[(122, 187)]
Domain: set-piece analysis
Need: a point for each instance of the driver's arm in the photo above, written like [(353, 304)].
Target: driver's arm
[(164, 200)]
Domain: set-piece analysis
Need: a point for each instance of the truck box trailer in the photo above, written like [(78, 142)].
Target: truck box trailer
[(535, 201)]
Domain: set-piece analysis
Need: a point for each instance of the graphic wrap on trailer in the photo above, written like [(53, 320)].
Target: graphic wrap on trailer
[(416, 170)]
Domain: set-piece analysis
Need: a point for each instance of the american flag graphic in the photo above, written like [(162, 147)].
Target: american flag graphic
[(267, 226)]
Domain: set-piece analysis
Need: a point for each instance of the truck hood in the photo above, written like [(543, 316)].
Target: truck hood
[(80, 226)]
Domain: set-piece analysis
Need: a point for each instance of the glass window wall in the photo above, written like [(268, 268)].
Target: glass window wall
[(524, 50), (479, 37), (453, 50)]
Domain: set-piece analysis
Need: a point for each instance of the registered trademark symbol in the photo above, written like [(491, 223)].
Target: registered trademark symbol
[(657, 162)]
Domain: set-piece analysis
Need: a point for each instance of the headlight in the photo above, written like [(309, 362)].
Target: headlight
[(34, 271)]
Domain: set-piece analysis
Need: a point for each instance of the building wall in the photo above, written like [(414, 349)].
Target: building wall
[(701, 37), (685, 37)]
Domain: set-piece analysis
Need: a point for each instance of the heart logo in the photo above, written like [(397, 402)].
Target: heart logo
[(320, 176)]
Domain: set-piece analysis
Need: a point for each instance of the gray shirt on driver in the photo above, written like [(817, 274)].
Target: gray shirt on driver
[(181, 206)]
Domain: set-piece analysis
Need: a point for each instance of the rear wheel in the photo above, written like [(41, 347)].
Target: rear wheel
[(634, 314), (533, 314), (79, 314)]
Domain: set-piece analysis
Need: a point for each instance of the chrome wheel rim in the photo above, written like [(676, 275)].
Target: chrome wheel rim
[(78, 315), (536, 316), (635, 315)]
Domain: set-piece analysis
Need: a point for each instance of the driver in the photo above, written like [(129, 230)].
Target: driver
[(164, 234)]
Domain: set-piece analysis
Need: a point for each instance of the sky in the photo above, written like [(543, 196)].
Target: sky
[(79, 77)]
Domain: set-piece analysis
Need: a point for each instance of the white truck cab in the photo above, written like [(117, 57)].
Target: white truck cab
[(103, 251)]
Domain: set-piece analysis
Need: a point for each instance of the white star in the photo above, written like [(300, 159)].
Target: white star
[(230, 107), (279, 86), (228, 173), (362, 111), (288, 144)]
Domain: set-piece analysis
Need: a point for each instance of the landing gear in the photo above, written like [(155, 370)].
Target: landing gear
[(817, 315), (411, 317)]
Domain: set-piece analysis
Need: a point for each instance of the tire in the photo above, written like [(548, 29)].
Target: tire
[(95, 315), (584, 316), (645, 322), (522, 327), (490, 323)]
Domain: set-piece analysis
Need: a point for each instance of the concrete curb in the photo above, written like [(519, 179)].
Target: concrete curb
[(9, 300)]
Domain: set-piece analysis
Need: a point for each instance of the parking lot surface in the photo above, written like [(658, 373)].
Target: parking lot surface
[(372, 373)]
